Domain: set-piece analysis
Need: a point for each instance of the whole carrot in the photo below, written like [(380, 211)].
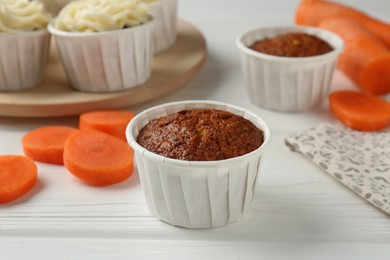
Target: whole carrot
[(365, 60), (311, 12)]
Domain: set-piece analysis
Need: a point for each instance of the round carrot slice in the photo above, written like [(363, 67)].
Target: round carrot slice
[(113, 122), (98, 158), (18, 175), (360, 111), (46, 144)]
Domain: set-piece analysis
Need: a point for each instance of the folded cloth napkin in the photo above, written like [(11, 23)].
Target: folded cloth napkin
[(359, 160)]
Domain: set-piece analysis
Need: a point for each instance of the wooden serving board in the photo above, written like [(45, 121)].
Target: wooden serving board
[(55, 97)]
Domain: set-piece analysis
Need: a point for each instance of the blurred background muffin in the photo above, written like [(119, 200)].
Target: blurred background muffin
[(279, 81), (105, 45), (24, 43)]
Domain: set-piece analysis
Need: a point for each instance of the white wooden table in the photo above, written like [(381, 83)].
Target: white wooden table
[(299, 212)]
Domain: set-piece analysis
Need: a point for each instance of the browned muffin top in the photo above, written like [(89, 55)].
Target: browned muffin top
[(292, 45), (200, 135)]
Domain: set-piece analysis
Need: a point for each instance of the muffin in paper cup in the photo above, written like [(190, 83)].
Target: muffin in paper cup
[(197, 194), (107, 61), (24, 44), (165, 14), (288, 84), (23, 59), (101, 50)]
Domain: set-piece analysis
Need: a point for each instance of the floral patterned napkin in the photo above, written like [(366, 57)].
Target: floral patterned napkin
[(359, 160)]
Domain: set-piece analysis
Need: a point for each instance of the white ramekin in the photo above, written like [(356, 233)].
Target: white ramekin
[(165, 14), (196, 194), (106, 61), (23, 59), (283, 83)]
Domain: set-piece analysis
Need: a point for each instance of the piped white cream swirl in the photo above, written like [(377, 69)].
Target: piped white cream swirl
[(101, 15), (22, 15)]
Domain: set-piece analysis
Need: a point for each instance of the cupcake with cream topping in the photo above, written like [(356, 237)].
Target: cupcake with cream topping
[(105, 45), (24, 44)]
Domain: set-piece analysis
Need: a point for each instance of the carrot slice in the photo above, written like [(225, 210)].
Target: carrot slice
[(360, 111), (18, 175), (98, 158), (365, 60), (311, 12), (46, 144), (113, 122)]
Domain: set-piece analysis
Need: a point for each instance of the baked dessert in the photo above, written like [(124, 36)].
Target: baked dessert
[(201, 135), (292, 45), (289, 78), (199, 194), (105, 45), (25, 42)]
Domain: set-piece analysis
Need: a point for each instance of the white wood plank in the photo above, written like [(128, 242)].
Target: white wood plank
[(168, 249), (291, 204)]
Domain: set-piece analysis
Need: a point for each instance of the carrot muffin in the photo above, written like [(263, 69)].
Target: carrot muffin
[(201, 135)]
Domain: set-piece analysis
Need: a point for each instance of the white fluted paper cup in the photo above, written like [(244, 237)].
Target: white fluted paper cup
[(23, 59), (106, 61), (287, 84), (165, 14), (196, 194)]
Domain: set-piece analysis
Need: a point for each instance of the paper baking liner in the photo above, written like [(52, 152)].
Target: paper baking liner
[(165, 14), (283, 83), (23, 59), (106, 61), (196, 194)]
